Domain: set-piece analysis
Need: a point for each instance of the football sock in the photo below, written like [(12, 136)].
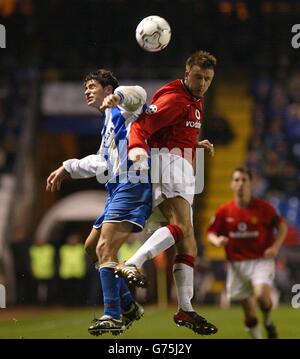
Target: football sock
[(125, 295), (160, 240), (253, 328), (255, 332), (267, 317), (111, 292), (183, 273)]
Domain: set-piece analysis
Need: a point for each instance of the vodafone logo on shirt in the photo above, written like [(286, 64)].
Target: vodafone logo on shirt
[(243, 232), (193, 124)]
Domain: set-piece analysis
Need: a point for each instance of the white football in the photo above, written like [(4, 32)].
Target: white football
[(153, 33)]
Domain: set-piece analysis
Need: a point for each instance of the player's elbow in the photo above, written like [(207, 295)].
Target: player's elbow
[(142, 94)]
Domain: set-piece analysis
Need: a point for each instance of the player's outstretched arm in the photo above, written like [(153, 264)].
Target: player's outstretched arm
[(217, 241), (55, 179), (87, 167)]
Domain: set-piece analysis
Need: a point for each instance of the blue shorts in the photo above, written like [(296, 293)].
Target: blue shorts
[(127, 202)]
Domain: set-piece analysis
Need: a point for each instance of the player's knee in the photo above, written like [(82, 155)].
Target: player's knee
[(265, 302), (250, 321), (262, 293)]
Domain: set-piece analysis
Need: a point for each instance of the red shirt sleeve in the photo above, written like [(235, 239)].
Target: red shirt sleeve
[(273, 218), (164, 112), (217, 224)]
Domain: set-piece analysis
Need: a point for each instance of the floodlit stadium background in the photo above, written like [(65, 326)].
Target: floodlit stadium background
[(252, 117)]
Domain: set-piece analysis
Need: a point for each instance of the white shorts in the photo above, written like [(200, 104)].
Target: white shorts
[(243, 275), (171, 176)]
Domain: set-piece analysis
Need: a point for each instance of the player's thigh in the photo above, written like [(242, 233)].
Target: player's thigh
[(262, 277), (238, 286), (262, 290), (114, 234)]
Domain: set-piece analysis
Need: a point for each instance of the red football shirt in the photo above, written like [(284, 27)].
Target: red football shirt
[(173, 120), (250, 230)]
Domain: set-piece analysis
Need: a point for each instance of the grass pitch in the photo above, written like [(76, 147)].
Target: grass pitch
[(157, 323)]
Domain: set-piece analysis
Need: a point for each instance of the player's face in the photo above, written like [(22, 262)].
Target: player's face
[(241, 184), (95, 93), (198, 80)]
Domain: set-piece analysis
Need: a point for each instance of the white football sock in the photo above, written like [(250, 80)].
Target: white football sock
[(160, 240), (184, 281), (254, 332)]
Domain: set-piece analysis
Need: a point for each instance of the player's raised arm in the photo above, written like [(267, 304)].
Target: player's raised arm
[(131, 98)]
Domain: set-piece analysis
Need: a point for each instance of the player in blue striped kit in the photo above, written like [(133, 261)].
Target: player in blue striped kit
[(129, 202)]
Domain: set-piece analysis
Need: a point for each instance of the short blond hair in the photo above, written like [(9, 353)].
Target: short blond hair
[(202, 59)]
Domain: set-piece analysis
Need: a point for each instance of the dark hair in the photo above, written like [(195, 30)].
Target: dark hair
[(104, 77), (203, 59), (243, 169)]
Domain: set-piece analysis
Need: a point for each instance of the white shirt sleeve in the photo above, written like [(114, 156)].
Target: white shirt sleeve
[(86, 167), (132, 97)]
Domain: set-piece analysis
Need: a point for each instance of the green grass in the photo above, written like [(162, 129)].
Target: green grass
[(156, 324)]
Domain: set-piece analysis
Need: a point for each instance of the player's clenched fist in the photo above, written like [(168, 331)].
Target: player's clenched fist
[(109, 102), (137, 154), (207, 145)]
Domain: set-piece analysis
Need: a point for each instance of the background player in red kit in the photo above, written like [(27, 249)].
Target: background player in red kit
[(245, 227), (173, 121)]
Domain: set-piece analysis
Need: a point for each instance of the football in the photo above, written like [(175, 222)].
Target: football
[(153, 33)]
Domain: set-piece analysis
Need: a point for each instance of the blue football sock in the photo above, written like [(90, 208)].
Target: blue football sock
[(111, 292), (125, 295)]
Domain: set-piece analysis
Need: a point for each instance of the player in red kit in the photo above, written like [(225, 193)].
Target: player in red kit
[(173, 122), (251, 233)]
